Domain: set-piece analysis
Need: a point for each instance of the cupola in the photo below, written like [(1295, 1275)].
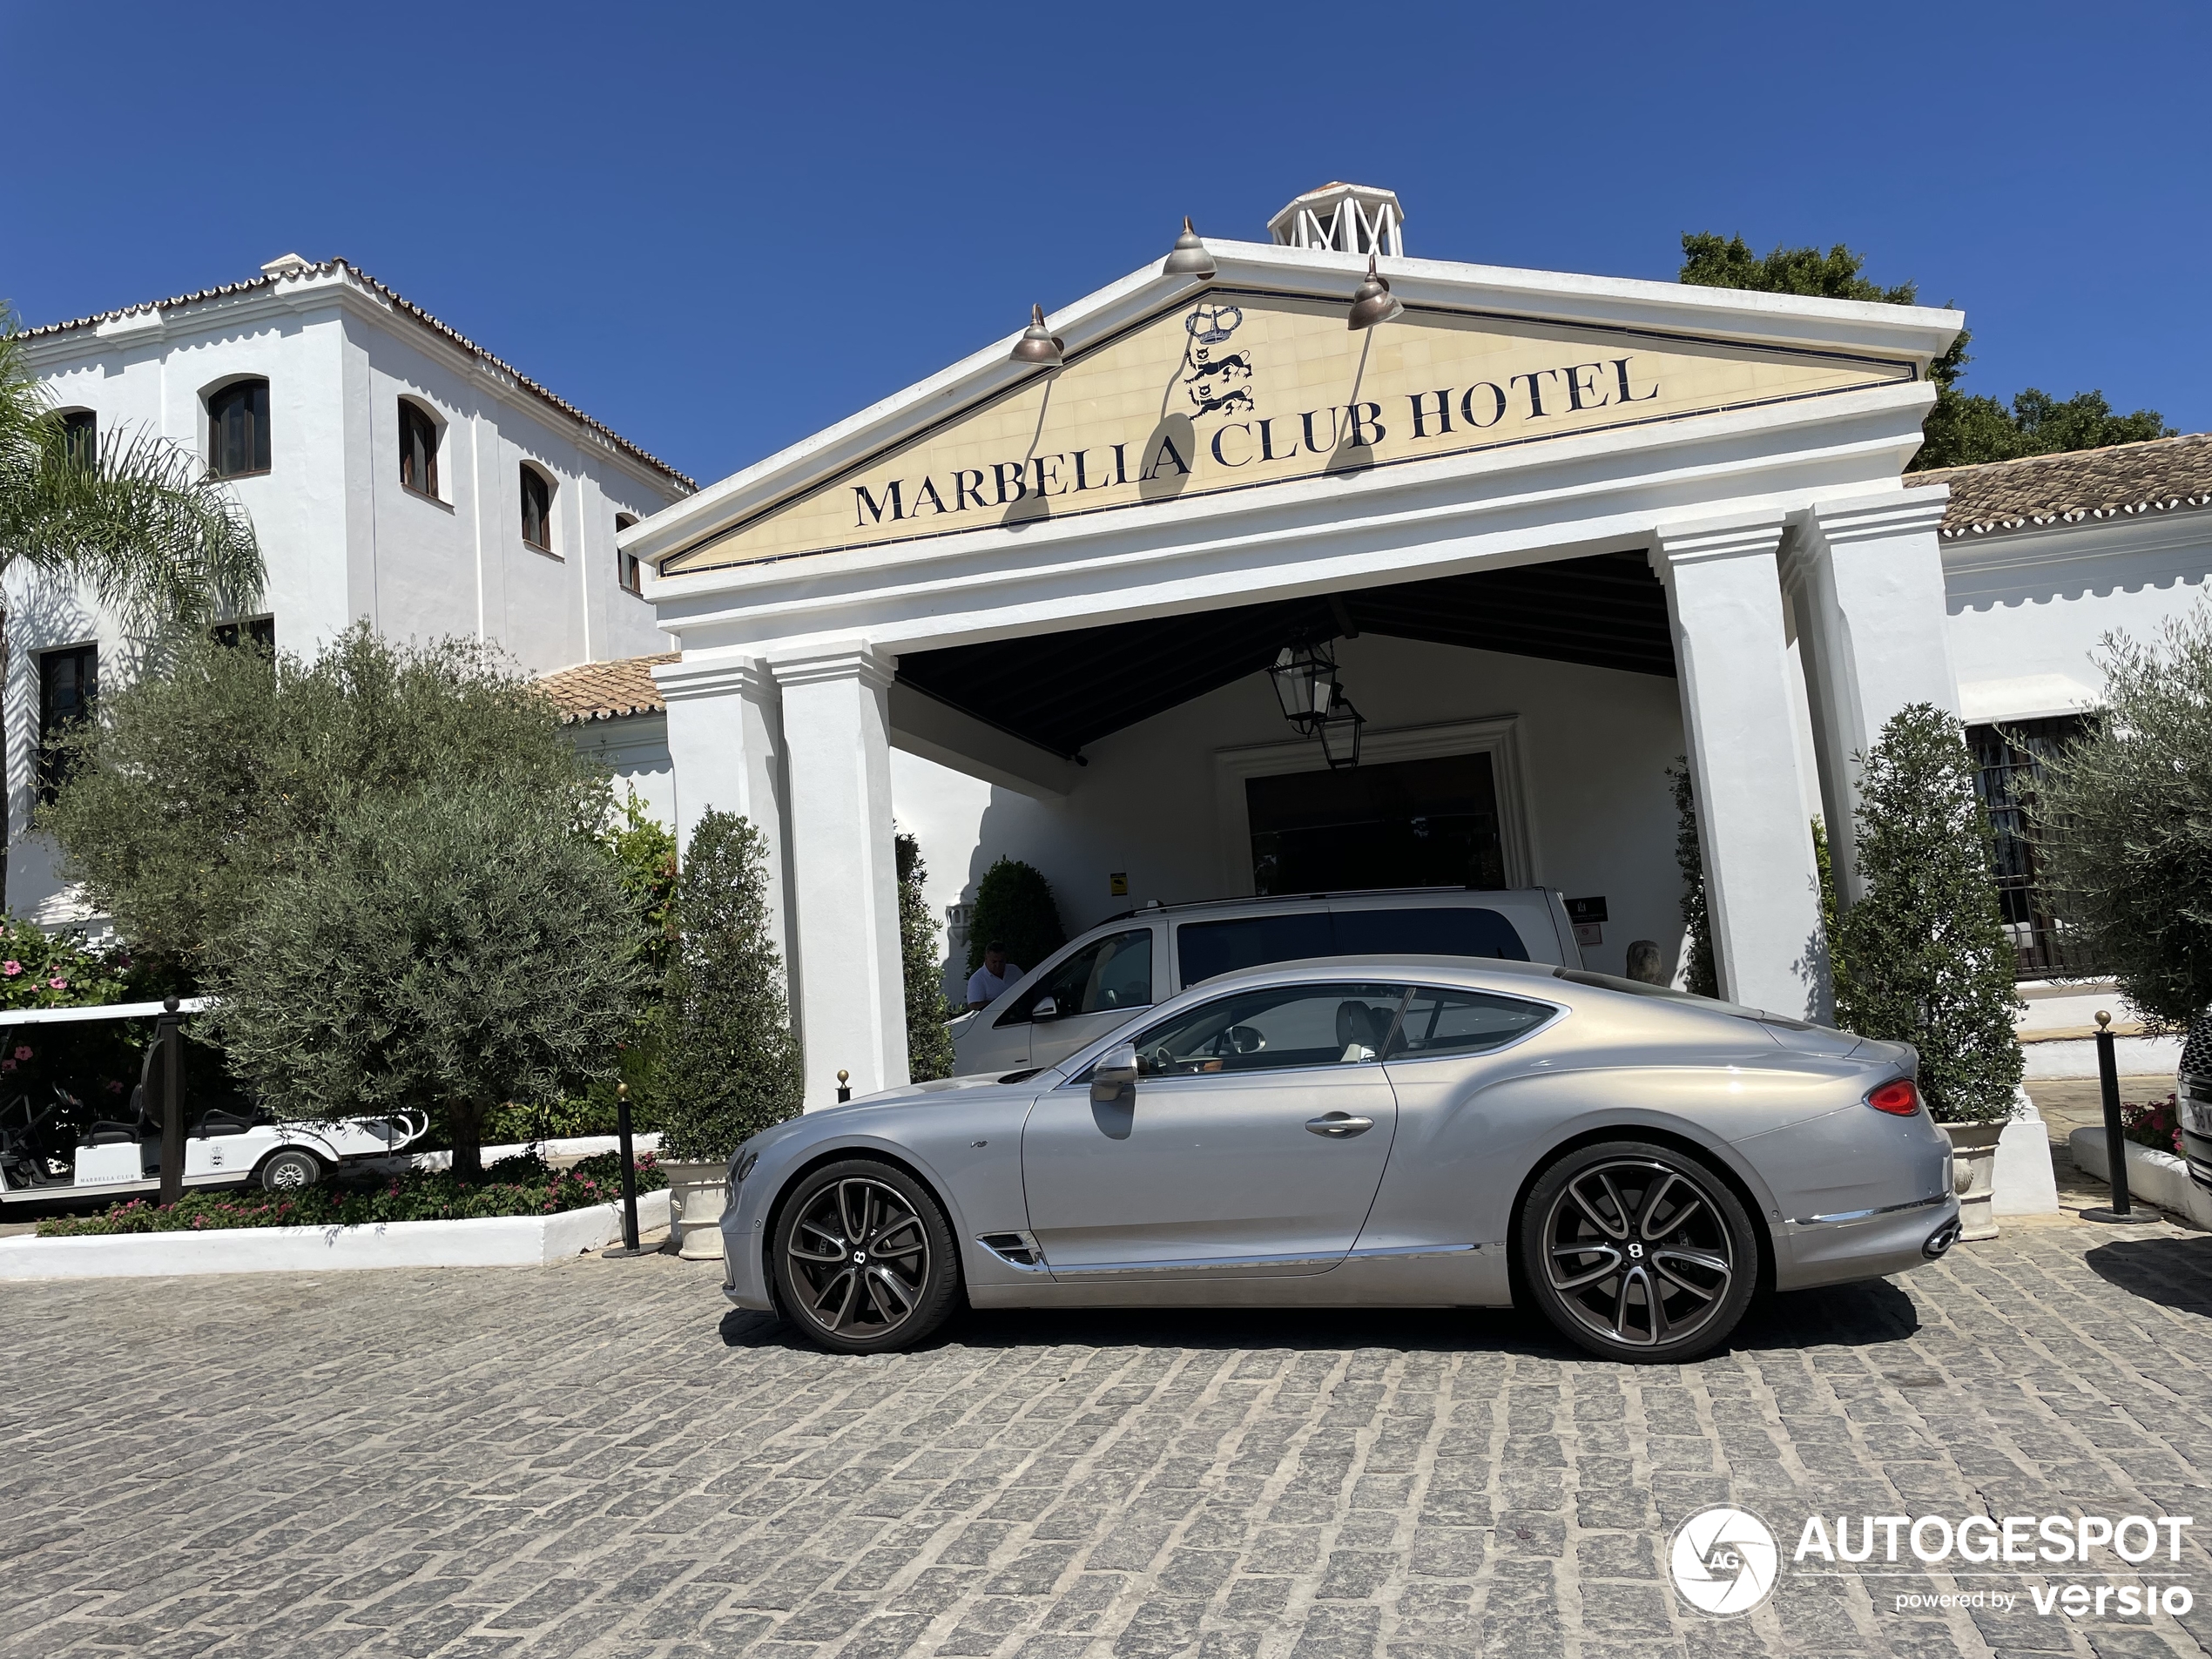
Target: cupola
[(1344, 218)]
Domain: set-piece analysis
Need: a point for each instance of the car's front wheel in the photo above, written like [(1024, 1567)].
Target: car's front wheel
[(864, 1258), (290, 1170), (1638, 1251)]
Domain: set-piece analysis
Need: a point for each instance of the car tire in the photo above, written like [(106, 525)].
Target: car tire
[(289, 1169), (1639, 1252), (863, 1257)]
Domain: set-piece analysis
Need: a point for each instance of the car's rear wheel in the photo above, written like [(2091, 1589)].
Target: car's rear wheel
[(864, 1258), (289, 1171), (1636, 1250)]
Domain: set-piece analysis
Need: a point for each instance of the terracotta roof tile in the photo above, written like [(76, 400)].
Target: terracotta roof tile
[(2164, 475), (405, 305), (607, 690)]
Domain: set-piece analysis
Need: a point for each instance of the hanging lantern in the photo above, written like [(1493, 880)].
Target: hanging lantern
[(1339, 731), (1304, 679)]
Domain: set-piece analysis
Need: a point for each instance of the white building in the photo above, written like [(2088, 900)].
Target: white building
[(1556, 529), (394, 472)]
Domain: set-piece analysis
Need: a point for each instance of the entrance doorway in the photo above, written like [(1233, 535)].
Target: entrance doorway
[(1431, 823)]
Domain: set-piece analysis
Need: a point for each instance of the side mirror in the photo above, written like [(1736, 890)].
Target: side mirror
[(1115, 1076), (1044, 1008), (1243, 1039)]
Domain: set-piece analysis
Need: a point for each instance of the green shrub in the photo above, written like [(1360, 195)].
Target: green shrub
[(929, 1043), (1930, 961), (2124, 824), (1704, 977), (1013, 905), (728, 1063), (450, 951), (521, 1185)]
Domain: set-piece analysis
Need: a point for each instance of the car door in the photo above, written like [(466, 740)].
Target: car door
[(1094, 991), (1251, 1144)]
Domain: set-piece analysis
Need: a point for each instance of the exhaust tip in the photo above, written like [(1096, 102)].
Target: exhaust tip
[(1940, 1241)]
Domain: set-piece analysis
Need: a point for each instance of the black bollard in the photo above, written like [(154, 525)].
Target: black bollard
[(628, 1245), (2116, 1143), (168, 1033)]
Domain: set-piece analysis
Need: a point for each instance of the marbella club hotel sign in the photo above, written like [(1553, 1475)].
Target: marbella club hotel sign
[(1242, 387)]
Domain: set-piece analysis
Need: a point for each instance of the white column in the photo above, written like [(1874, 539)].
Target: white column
[(1732, 657), (1866, 576), (844, 883), (725, 750)]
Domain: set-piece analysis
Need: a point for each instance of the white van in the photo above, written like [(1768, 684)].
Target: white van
[(1091, 985)]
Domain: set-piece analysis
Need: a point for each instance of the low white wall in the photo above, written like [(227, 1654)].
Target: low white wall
[(2154, 1176), (499, 1241), (573, 1146), (2023, 1183), (2077, 1056)]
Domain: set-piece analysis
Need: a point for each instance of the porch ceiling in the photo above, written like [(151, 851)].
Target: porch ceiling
[(1062, 691)]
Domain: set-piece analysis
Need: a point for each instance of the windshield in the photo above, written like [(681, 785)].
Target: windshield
[(1666, 992)]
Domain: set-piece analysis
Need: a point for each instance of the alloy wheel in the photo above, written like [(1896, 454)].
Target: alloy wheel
[(1638, 1253), (860, 1258)]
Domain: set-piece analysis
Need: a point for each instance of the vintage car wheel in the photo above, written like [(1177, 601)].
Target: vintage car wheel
[(289, 1169), (864, 1258), (1638, 1251)]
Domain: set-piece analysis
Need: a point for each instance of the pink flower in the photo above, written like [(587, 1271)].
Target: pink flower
[(11, 968), (58, 982), (22, 1053)]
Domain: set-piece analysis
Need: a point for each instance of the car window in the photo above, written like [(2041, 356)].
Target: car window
[(1205, 950), (1112, 973), (1440, 1022), (1271, 1029), (1445, 930)]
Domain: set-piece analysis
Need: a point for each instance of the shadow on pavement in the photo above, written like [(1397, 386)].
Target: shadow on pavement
[(2172, 1272), (1848, 1315)]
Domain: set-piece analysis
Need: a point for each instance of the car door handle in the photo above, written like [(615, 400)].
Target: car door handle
[(1337, 1125)]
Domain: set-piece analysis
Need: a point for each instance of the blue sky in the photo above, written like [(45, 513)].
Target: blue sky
[(719, 228)]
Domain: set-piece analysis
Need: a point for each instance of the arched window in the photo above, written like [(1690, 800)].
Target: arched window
[(418, 449), (537, 509), (238, 429), (629, 571), (81, 437)]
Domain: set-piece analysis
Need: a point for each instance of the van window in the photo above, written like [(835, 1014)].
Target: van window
[(1206, 948), (1461, 930), (1113, 972)]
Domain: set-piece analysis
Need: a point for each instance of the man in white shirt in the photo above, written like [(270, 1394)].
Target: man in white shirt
[(996, 974)]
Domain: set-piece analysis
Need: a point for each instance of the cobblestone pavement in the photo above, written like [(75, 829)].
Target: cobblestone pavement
[(598, 1459)]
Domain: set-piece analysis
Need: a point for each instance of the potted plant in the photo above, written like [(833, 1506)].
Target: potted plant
[(1924, 957), (727, 1065)]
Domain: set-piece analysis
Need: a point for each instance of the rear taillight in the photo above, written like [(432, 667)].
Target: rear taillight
[(1899, 1099)]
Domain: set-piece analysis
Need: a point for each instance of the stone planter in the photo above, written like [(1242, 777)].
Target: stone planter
[(698, 1193), (1974, 1175)]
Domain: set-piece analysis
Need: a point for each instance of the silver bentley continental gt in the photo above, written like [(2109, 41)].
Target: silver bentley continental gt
[(1364, 1132)]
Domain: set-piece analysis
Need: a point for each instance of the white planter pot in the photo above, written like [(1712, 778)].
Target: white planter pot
[(1974, 1175), (698, 1192)]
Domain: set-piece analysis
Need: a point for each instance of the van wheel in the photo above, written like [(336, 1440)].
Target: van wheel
[(289, 1171), (864, 1258), (1638, 1251)]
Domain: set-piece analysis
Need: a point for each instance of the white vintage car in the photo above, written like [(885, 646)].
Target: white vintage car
[(224, 1146)]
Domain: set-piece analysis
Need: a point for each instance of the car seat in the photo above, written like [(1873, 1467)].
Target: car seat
[(1362, 1025)]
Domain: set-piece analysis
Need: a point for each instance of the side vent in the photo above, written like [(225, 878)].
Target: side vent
[(1015, 1250)]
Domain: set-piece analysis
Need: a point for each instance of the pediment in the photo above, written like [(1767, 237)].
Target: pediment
[(1244, 388)]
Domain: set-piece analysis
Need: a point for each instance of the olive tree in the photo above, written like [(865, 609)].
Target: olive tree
[(193, 787), (444, 948), (2124, 825)]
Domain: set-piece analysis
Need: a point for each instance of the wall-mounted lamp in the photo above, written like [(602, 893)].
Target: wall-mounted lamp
[(1190, 257), (1372, 302), (1038, 344)]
